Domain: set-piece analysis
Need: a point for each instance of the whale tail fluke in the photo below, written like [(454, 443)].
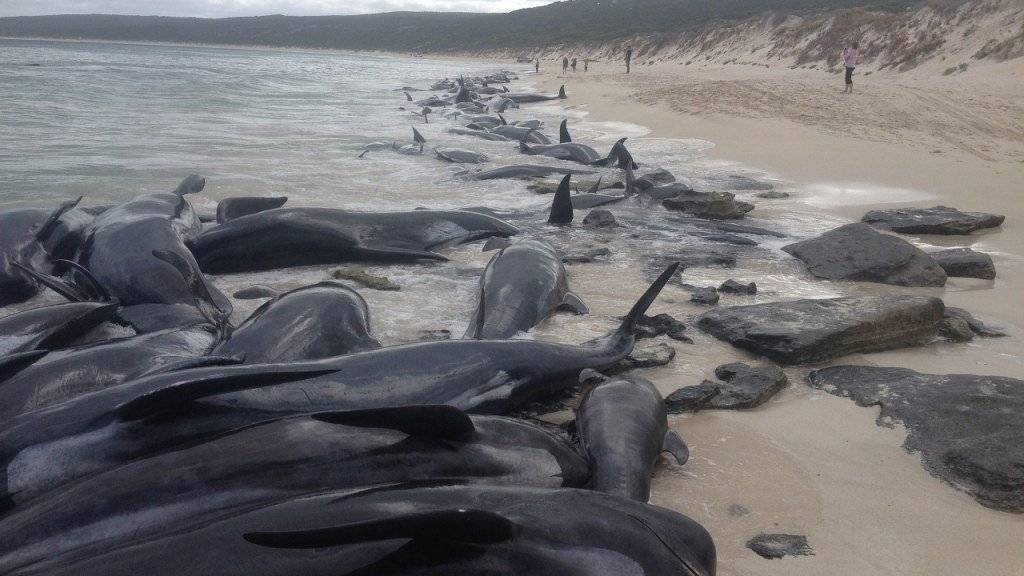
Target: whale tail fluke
[(561, 92), (561, 206), (563, 132), (192, 184), (525, 148)]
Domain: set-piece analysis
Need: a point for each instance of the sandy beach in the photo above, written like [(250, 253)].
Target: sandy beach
[(808, 462)]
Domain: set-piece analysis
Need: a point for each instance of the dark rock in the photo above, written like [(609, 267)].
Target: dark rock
[(858, 252), (587, 255), (955, 330), (695, 258), (647, 356), (666, 191), (936, 220), (774, 546), (968, 429), (804, 331), (977, 326), (599, 219), (705, 295), (712, 205), (692, 398), (747, 229), (772, 195), (256, 291), (747, 386), (662, 324), (731, 286), (965, 263), (434, 335), (652, 179)]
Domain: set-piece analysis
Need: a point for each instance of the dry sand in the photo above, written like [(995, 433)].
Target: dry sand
[(808, 462)]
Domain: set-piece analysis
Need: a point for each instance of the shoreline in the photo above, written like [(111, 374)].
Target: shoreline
[(807, 462)]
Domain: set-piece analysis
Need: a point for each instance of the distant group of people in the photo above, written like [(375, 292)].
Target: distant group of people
[(568, 64)]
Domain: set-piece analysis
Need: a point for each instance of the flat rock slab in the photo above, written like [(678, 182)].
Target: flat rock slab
[(859, 252), (692, 398), (804, 331), (935, 220), (661, 325), (711, 205), (732, 286), (969, 429), (745, 386), (646, 356), (364, 278), (774, 546), (965, 263)]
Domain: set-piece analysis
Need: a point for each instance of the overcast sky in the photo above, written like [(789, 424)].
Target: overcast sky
[(221, 8)]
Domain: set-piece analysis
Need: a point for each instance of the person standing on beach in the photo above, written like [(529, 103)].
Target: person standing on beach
[(536, 66), (573, 64), (629, 57), (851, 57), (565, 64)]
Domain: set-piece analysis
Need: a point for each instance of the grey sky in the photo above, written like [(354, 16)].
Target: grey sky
[(222, 8)]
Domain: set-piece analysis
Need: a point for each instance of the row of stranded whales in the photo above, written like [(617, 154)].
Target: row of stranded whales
[(439, 527), (188, 445), (159, 496), (90, 433)]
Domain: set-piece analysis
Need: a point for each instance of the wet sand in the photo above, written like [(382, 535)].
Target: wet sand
[(807, 462)]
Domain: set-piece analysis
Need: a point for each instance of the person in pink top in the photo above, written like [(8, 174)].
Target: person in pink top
[(851, 57)]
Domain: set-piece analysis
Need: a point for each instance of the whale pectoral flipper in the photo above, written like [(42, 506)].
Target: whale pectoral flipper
[(58, 285), (194, 362), (51, 223), (675, 446), (455, 525), (574, 303), (434, 421)]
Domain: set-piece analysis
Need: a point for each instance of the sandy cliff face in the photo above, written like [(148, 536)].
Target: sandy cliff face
[(944, 37)]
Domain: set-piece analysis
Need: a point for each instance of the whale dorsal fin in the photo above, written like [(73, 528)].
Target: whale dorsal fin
[(561, 206), (457, 524), (433, 421), (47, 228), (563, 132)]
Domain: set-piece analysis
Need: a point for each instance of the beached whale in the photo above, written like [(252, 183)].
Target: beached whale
[(524, 171), (426, 528), (52, 327), (521, 286), (460, 156), (304, 236), (622, 427), (26, 237), (99, 431), (231, 208), (478, 134), (570, 151), (318, 321), (67, 373), (527, 97), (187, 489), (521, 133)]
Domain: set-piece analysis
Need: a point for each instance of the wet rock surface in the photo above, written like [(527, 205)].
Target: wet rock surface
[(706, 295), (773, 546), (586, 255), (732, 286), (646, 356), (805, 331), (692, 398), (742, 386), (364, 278), (661, 325), (599, 218), (935, 220), (977, 326), (859, 252), (773, 195), (965, 263), (969, 429), (712, 205)]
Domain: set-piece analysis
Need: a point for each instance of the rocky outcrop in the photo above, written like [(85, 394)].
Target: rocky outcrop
[(858, 252), (599, 218), (976, 326), (742, 386), (969, 429), (646, 356), (804, 331), (706, 295), (661, 325), (773, 546), (731, 286), (935, 220), (965, 263), (711, 205)]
